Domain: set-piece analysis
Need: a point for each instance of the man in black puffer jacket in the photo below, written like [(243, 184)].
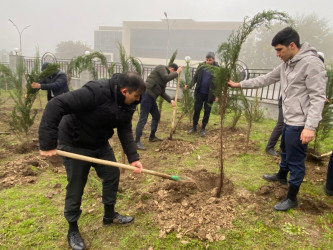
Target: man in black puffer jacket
[(83, 120), (55, 84), (203, 93)]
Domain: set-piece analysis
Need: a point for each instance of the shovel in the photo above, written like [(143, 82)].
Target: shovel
[(119, 165), (174, 110), (322, 155)]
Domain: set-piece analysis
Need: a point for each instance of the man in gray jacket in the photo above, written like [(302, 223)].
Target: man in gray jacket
[(303, 85)]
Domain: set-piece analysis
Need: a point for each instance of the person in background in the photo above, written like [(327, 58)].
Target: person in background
[(55, 84), (329, 178), (156, 84), (303, 90), (276, 133), (328, 188), (203, 93), (83, 121)]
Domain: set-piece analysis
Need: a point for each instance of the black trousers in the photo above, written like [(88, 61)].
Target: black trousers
[(77, 175), (277, 131), (329, 178), (201, 100)]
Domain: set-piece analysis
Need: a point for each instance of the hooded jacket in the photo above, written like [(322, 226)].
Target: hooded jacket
[(197, 79), (86, 118), (303, 87), (57, 84), (157, 81)]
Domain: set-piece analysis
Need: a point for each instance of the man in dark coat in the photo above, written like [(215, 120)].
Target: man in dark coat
[(203, 93), (83, 121), (55, 84), (156, 84)]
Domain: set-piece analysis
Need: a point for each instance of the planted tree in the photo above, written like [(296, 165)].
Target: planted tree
[(187, 101), (86, 62), (23, 116), (228, 54), (160, 100)]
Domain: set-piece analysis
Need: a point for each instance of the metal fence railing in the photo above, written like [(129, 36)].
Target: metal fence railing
[(270, 92)]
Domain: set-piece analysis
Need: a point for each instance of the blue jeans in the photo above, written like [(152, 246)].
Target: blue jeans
[(293, 153), (148, 105)]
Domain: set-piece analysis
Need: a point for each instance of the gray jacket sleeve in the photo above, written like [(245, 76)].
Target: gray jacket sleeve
[(263, 80)]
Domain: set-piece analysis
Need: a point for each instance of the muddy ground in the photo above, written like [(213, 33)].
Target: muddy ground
[(189, 206)]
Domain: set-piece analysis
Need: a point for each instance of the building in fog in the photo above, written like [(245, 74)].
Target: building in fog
[(155, 41), (106, 40)]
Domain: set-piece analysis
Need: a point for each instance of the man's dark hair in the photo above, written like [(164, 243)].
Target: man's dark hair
[(286, 36), (174, 66), (132, 80)]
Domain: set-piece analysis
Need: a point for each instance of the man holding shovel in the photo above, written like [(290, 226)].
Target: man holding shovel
[(83, 121), (156, 84), (303, 89)]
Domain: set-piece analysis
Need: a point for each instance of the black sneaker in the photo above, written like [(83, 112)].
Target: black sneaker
[(275, 177), (118, 219), (192, 130), (155, 138), (202, 132), (140, 146), (286, 204), (75, 241), (272, 152)]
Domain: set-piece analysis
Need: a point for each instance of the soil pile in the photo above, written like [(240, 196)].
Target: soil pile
[(191, 208)]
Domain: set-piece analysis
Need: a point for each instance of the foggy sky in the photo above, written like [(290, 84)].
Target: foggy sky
[(53, 21)]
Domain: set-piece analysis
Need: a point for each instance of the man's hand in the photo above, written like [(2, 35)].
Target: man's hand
[(234, 84), (35, 85), (307, 135), (186, 87), (138, 165), (173, 103), (180, 69), (51, 152)]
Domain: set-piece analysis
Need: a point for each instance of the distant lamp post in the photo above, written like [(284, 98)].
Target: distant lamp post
[(167, 52), (20, 34), (16, 50), (187, 59), (87, 52)]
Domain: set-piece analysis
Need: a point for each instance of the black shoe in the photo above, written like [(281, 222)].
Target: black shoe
[(286, 204), (328, 192), (274, 177), (118, 219), (155, 138), (140, 146), (271, 151), (75, 241), (202, 132), (192, 130)]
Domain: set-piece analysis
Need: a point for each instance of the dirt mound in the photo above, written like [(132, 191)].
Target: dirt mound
[(176, 146), (21, 171), (191, 208)]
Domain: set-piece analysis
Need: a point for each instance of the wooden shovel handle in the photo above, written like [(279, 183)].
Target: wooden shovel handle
[(109, 163)]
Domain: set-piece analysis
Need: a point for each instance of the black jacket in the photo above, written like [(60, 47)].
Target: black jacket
[(88, 116), (157, 81), (56, 83), (197, 79)]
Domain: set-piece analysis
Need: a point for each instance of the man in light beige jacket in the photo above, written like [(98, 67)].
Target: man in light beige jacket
[(303, 80)]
